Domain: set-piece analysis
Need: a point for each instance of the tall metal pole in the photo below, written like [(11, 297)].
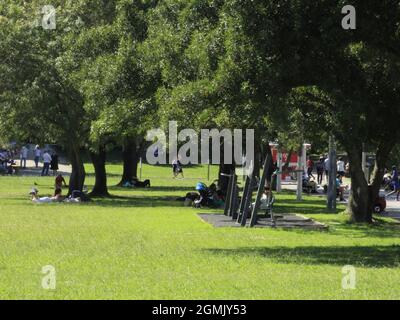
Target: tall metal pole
[(141, 164), (279, 173), (260, 192), (300, 171), (331, 201), (304, 157)]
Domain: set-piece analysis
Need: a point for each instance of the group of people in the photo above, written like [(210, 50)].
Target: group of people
[(323, 166), (6, 162), (50, 162), (59, 183), (9, 166)]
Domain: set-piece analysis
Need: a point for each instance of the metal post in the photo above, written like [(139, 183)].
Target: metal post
[(300, 175), (304, 157), (234, 199), (242, 202), (331, 203), (279, 173), (140, 165), (228, 196), (260, 192), (247, 200)]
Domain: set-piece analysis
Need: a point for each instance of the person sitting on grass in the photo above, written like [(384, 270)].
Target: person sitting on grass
[(177, 168), (59, 182), (340, 188), (266, 198)]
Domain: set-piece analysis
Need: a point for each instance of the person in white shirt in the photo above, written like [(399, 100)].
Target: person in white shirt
[(23, 157), (46, 163), (38, 153), (341, 167)]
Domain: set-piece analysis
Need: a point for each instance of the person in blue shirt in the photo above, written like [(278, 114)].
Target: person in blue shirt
[(340, 188)]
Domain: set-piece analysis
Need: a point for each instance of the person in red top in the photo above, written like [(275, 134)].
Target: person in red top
[(310, 168), (60, 182)]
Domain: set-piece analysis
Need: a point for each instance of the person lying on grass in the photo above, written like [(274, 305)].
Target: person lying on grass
[(56, 198)]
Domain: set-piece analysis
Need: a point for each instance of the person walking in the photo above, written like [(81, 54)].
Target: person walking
[(38, 153), (310, 168), (46, 163), (23, 157), (320, 170)]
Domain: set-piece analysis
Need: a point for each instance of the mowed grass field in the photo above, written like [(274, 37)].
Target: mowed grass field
[(145, 245)]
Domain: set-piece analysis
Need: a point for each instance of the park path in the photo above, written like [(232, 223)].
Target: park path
[(393, 208), (31, 170)]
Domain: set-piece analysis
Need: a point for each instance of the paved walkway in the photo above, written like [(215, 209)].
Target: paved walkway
[(393, 208), (31, 170)]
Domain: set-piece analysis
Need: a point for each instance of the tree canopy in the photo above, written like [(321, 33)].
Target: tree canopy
[(111, 70)]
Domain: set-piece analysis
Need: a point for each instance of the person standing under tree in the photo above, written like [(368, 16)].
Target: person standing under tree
[(54, 163), (38, 153), (23, 157), (46, 163)]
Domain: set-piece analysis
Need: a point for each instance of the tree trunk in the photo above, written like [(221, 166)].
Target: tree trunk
[(99, 163), (130, 155), (363, 195), (360, 207), (382, 156), (78, 174)]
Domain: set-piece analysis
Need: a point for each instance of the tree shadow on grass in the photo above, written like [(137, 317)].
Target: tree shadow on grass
[(155, 189), (380, 229), (357, 256), (303, 207), (139, 201)]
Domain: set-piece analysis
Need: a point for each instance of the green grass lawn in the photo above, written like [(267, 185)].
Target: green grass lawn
[(144, 245)]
